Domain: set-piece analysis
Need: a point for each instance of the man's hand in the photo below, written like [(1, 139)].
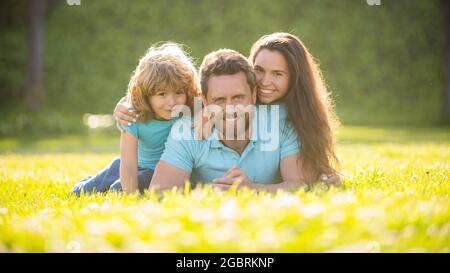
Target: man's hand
[(234, 176), (123, 114)]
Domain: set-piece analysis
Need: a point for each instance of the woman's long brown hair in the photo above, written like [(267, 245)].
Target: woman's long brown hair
[(309, 105)]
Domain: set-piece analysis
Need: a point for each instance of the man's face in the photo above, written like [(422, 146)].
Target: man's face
[(234, 91)]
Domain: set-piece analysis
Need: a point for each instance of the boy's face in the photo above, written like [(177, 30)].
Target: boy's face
[(163, 102)]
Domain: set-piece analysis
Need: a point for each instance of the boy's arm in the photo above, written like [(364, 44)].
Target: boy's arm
[(176, 163), (128, 162)]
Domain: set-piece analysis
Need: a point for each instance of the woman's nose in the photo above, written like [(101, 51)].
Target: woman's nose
[(265, 80)]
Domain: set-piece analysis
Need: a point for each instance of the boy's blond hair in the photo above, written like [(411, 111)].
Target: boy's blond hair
[(164, 67)]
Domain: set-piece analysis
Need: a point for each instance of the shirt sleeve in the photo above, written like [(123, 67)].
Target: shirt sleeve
[(132, 129), (179, 153), (290, 144)]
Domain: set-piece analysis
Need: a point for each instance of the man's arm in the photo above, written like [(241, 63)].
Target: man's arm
[(290, 169), (167, 176), (291, 174)]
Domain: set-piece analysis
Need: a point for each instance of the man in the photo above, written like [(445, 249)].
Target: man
[(227, 79)]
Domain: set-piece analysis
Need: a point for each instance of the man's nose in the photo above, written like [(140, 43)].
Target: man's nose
[(231, 107), (228, 101)]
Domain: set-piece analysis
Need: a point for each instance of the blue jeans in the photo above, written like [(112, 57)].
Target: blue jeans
[(108, 179)]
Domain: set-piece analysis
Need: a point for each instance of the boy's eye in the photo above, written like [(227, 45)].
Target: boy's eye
[(161, 94), (180, 92)]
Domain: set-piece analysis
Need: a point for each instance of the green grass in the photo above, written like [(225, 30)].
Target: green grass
[(395, 199)]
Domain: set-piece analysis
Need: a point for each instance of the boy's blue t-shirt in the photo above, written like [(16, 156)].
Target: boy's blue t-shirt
[(151, 138)]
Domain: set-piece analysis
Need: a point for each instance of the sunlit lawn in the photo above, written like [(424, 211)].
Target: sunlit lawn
[(395, 199)]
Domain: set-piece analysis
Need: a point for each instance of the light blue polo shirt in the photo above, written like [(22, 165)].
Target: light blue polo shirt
[(210, 159), (151, 138), (281, 106)]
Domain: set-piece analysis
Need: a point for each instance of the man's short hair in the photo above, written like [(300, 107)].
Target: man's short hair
[(225, 62)]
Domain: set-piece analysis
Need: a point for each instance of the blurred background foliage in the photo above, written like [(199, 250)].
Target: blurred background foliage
[(384, 64)]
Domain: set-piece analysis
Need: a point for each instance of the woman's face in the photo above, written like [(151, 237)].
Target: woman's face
[(272, 75)]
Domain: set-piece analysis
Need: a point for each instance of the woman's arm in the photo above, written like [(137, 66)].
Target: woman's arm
[(128, 162), (123, 115)]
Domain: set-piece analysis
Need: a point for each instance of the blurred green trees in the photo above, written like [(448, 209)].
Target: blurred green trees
[(384, 64)]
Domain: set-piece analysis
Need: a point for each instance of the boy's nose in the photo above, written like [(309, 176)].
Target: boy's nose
[(171, 100)]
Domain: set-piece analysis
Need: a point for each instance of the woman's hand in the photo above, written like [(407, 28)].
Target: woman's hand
[(123, 114), (331, 180)]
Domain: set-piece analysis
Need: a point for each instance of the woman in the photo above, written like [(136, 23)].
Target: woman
[(286, 72)]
